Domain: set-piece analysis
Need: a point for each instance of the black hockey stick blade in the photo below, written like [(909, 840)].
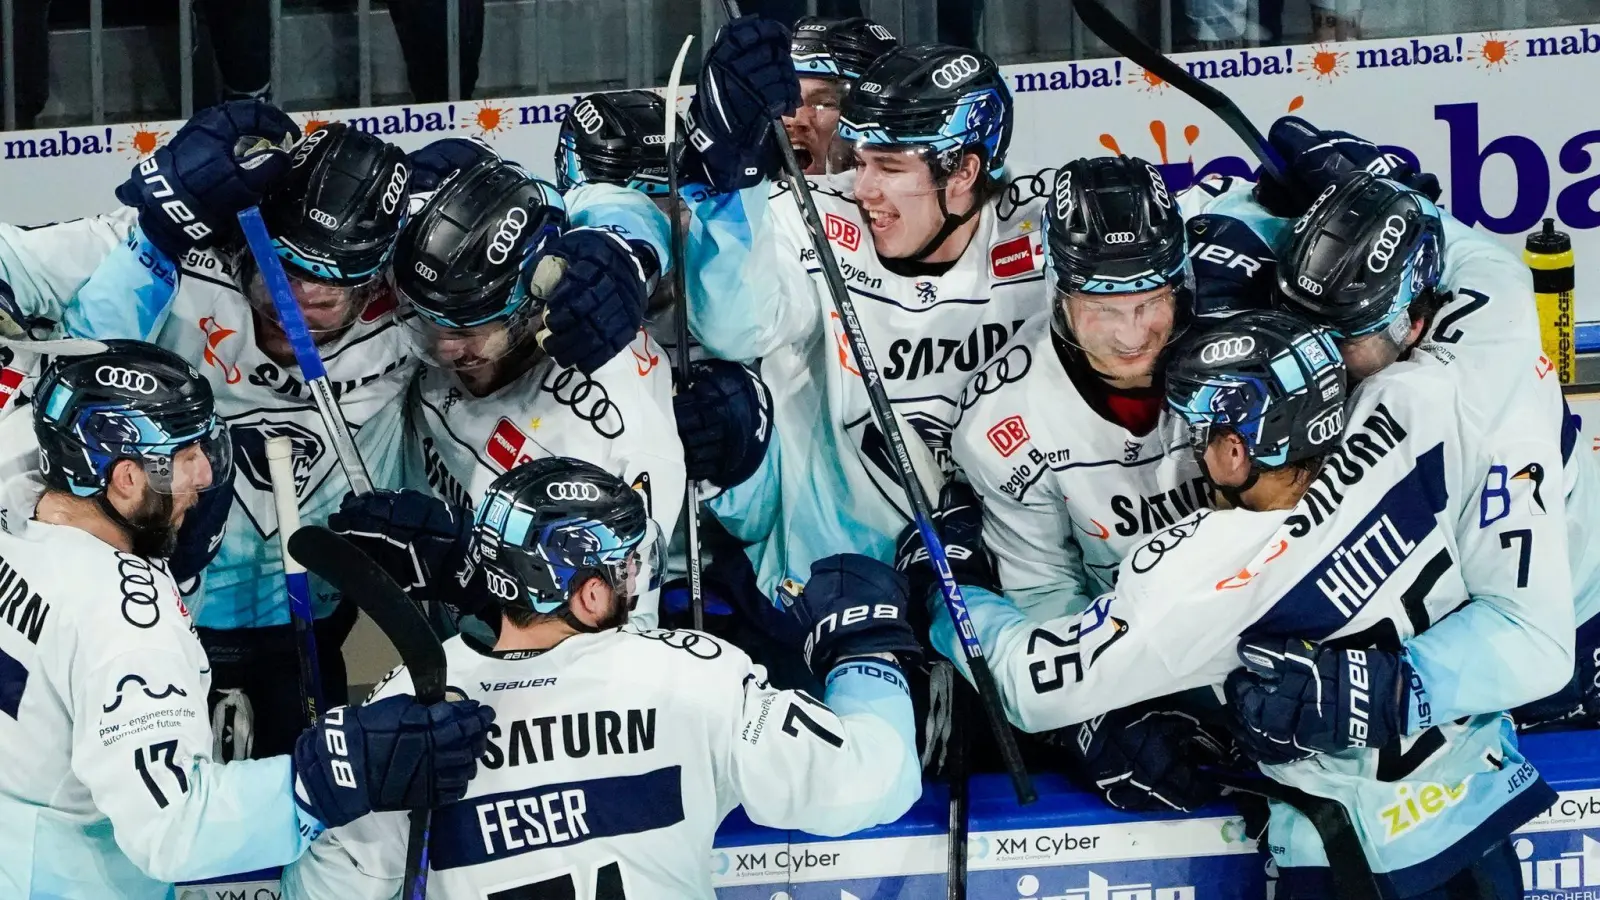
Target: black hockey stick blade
[(1120, 38), (343, 565), (1347, 862)]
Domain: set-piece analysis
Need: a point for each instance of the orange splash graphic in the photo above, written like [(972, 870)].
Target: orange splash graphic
[(143, 141), (1158, 133), (491, 119), (1110, 143), (314, 122), (1325, 63), (1496, 52), (1146, 80), (1296, 103)]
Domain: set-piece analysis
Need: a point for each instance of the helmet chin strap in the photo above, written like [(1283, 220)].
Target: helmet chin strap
[(1234, 494), (951, 223)]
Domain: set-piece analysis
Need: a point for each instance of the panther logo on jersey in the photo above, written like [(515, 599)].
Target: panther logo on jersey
[(312, 463)]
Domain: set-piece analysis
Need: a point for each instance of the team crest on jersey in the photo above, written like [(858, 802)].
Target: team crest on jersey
[(252, 484), (934, 432), (508, 446)]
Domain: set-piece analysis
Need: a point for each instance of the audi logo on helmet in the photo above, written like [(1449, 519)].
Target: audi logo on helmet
[(395, 189), (1119, 237), (427, 272), (956, 71), (1326, 427), (880, 32), (587, 117), (1309, 286), (325, 219), (871, 87), (1158, 186), (506, 236), (571, 490), (126, 379), (1316, 204), (1394, 228), (1063, 196), (1226, 349)]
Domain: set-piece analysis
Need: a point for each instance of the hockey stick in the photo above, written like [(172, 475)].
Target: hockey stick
[(280, 471), (921, 509), (1120, 38), (691, 499), (293, 322), (1347, 863), (343, 565)]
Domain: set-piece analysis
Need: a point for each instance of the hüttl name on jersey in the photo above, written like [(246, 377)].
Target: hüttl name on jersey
[(21, 606), (482, 829), (570, 736), (268, 375), (1347, 464), (930, 356), (1162, 509)]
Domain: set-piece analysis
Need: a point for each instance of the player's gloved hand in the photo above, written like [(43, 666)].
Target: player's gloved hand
[(1578, 703), (395, 754), (854, 605), (200, 535), (1315, 159), (418, 539), (441, 159), (748, 79), (1294, 699), (220, 162), (725, 421), (1143, 759), (959, 522), (596, 305)]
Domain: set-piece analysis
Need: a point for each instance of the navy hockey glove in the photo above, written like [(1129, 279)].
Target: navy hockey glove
[(200, 535), (1143, 759), (1317, 159), (597, 306), (725, 421), (1295, 699), (395, 754), (419, 540), (1577, 704), (748, 78), (854, 605), (959, 522), (220, 162), (441, 159)]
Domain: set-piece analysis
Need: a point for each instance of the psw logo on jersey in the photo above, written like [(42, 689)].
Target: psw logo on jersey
[(311, 461)]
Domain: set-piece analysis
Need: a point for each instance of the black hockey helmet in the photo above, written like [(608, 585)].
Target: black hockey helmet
[(838, 48), (1273, 378), (549, 525), (132, 401), (937, 98), (1361, 255), (615, 138), (335, 216), (464, 259)]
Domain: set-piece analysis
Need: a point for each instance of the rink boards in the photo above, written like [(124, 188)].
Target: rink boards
[(1070, 846)]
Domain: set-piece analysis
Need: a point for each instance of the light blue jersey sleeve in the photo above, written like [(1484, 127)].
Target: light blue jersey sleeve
[(749, 289), (624, 212), (43, 268), (128, 295), (749, 510)]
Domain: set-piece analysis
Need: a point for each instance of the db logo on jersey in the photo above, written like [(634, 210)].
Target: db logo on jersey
[(505, 446), (842, 231), (1008, 434), (1008, 259)]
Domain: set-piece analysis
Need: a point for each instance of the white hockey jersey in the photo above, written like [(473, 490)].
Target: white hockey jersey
[(612, 760), (620, 419), (757, 292), (1066, 492), (108, 787), (1384, 547)]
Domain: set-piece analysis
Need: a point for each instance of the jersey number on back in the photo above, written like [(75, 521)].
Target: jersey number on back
[(607, 886), (145, 760), (1446, 331)]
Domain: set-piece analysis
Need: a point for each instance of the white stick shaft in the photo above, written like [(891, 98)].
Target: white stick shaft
[(280, 468)]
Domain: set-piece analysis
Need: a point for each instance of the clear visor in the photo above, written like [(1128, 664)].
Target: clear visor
[(882, 171), (1182, 429), (642, 568), (327, 308), (466, 349), (195, 466)]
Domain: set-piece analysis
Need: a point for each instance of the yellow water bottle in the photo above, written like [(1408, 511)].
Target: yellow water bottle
[(1548, 253)]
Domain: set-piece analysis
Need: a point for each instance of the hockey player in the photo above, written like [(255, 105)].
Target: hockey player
[(942, 262), (829, 56), (1354, 539), (466, 270), (613, 783), (1437, 294), (110, 788)]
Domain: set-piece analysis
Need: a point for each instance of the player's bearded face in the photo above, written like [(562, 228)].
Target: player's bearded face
[(814, 121), (1122, 334), (896, 191), (159, 512)]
